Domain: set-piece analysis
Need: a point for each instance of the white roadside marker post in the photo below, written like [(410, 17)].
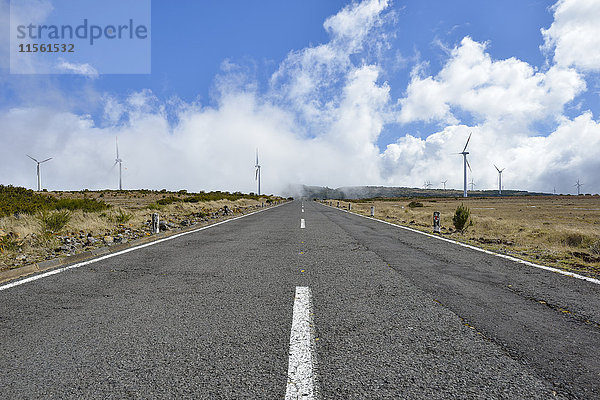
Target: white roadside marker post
[(372, 211), (155, 227), (436, 222)]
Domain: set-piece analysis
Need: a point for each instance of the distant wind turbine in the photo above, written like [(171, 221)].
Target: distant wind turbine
[(120, 162), (444, 183), (499, 178), (257, 177), (427, 185), (39, 175), (465, 164), (579, 185), (472, 183)]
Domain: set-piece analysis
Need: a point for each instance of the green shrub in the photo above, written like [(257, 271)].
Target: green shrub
[(53, 222), (574, 239), (121, 217), (414, 204), (10, 242), (461, 218), (20, 200)]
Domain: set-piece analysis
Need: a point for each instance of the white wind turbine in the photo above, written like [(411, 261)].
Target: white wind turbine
[(257, 177), (444, 183), (465, 164), (39, 175), (499, 178), (120, 162), (579, 185)]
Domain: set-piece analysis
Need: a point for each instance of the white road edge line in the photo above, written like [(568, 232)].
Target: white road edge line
[(302, 223), (518, 260), (81, 264), (301, 383)]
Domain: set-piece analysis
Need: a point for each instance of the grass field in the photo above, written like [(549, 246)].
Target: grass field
[(559, 231), (40, 226)]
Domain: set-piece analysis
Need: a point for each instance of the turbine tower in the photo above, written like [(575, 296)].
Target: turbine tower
[(579, 185), (499, 178), (465, 165), (39, 175), (257, 177), (444, 183), (120, 162)]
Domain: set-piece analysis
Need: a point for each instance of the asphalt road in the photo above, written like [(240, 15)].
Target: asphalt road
[(208, 315)]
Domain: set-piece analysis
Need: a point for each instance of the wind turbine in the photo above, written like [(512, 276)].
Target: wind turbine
[(257, 177), (579, 185), (444, 183), (39, 175), (465, 164), (120, 162), (472, 184), (499, 178)]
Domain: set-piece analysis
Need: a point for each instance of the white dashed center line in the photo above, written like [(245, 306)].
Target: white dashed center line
[(301, 367), (302, 224)]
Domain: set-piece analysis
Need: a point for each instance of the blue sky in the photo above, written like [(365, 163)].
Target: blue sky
[(376, 92)]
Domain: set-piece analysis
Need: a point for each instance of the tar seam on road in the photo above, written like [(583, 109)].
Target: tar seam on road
[(302, 223), (81, 264), (518, 260), (301, 382)]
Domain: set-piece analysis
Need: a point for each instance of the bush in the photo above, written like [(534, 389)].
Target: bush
[(461, 218), (574, 239), (414, 204), (53, 222), (121, 217), (10, 242), (15, 200)]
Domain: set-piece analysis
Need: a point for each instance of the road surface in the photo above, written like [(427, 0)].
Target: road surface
[(375, 311)]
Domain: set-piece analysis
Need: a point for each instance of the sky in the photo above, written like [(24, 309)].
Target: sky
[(332, 93)]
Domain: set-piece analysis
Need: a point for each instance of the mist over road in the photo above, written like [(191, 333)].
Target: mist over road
[(216, 314)]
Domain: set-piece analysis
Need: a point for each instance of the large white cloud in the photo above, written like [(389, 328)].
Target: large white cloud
[(574, 36), (488, 89)]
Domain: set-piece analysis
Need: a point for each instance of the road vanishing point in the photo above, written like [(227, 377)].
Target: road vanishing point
[(300, 301)]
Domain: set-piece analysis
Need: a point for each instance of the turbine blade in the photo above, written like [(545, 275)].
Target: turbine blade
[(497, 169), (117, 145), (31, 157), (256, 175), (48, 159), (256, 156), (465, 149), (468, 165)]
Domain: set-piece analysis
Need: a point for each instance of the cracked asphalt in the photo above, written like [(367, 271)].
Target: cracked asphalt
[(208, 315)]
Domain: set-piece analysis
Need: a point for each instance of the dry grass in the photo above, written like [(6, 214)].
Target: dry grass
[(22, 240), (560, 231)]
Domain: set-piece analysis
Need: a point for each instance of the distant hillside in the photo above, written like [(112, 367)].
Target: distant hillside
[(371, 192)]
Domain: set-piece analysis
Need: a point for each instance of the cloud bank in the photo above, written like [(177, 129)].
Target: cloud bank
[(320, 118)]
